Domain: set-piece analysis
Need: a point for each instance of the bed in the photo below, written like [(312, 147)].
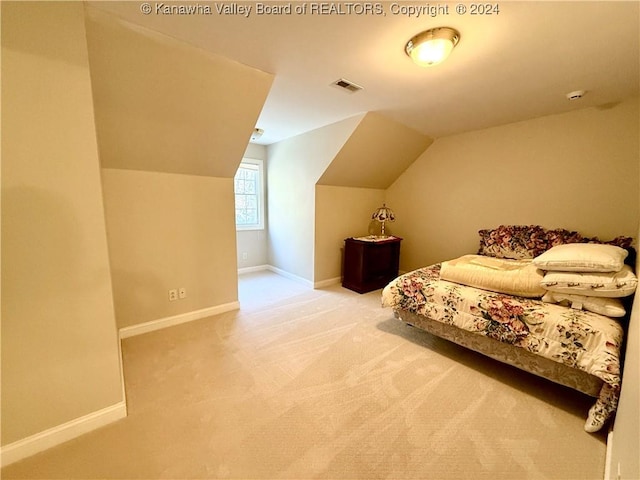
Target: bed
[(525, 299)]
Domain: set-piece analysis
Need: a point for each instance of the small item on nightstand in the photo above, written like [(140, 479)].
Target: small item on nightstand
[(375, 238), (383, 214)]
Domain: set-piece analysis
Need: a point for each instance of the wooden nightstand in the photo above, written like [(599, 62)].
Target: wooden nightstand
[(370, 265)]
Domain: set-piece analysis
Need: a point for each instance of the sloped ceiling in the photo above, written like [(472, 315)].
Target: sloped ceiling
[(511, 65), (375, 155), (164, 106)]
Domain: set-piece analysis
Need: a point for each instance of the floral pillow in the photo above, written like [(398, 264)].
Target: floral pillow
[(529, 241), (561, 236), (622, 242), (513, 241)]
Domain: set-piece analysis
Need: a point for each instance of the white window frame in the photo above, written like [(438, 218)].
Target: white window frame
[(254, 163)]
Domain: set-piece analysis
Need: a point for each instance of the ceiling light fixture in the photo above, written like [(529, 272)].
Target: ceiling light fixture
[(432, 46)]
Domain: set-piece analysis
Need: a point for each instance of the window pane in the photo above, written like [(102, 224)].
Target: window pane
[(248, 195)]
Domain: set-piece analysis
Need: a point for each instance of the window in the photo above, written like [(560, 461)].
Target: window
[(248, 188)]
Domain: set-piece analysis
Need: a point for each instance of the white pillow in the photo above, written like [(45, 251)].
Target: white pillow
[(582, 257), (594, 284), (611, 307)]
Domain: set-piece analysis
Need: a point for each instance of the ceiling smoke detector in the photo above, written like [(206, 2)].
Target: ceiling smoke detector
[(257, 133), (347, 85), (576, 95)]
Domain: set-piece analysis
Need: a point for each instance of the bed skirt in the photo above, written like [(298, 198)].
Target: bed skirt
[(517, 357)]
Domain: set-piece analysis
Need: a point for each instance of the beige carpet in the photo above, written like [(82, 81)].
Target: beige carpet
[(325, 384)]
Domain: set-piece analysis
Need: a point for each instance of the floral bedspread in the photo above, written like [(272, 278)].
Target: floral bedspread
[(576, 338)]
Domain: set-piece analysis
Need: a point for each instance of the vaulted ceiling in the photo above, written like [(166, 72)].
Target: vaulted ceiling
[(516, 63)]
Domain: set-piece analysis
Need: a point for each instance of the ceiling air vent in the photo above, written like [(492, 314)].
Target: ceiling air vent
[(347, 86)]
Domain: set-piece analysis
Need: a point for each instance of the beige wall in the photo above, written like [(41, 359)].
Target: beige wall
[(60, 357), (252, 248), (294, 168), (308, 223), (169, 231), (352, 186), (576, 170), (173, 124), (341, 212)]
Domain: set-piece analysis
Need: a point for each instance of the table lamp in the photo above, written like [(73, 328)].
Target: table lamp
[(383, 214)]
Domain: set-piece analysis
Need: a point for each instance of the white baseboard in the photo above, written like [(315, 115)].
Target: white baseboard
[(62, 433), (608, 468), (161, 323), (291, 276), (327, 283), (257, 268)]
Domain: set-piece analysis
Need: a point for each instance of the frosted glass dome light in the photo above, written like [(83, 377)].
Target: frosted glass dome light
[(432, 46)]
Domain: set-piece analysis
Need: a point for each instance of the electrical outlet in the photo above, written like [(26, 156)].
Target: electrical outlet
[(182, 292), (245, 255), (173, 294)]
